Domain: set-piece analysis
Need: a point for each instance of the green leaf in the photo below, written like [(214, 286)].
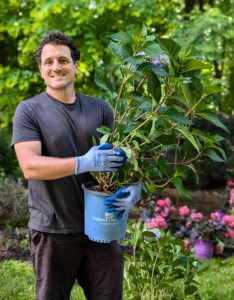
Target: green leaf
[(166, 139), (212, 155), (192, 52), (122, 52), (146, 67), (189, 136), (191, 289), (212, 118), (152, 49), (102, 81), (212, 90), (217, 138), (122, 37), (194, 64), (169, 47), (104, 130), (94, 140), (127, 74), (142, 136), (172, 113), (154, 87), (104, 139), (179, 186), (187, 94), (181, 171), (163, 166)]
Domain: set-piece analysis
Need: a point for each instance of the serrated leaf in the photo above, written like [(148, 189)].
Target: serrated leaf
[(212, 155), (187, 94), (213, 90), (212, 118), (154, 87), (104, 139), (102, 81), (181, 171), (163, 166), (194, 64), (142, 136), (146, 67), (152, 49), (122, 52), (191, 289), (169, 47), (192, 52), (166, 139), (217, 138), (179, 186), (122, 37), (189, 136), (104, 130), (127, 74), (172, 113)]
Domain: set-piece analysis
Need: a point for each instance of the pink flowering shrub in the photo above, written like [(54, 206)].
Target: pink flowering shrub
[(160, 213), (189, 224), (196, 226)]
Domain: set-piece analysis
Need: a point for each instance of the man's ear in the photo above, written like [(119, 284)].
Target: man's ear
[(77, 66), (40, 71)]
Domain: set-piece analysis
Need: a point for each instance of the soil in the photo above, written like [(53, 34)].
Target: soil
[(14, 243)]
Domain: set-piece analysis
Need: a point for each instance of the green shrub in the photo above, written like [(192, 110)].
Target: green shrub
[(159, 268), (13, 202), (8, 161)]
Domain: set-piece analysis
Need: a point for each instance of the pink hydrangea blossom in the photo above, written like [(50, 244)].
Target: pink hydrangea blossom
[(184, 211), (142, 203), (158, 222), (189, 224), (187, 245), (214, 216), (165, 212), (161, 203), (168, 201), (229, 183), (173, 208), (196, 216), (229, 220), (230, 233), (157, 209)]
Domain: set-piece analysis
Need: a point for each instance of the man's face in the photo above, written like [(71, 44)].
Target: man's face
[(57, 67)]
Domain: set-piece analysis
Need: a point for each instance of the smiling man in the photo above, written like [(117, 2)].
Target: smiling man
[(52, 138)]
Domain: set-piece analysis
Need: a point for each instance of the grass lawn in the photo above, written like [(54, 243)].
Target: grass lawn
[(17, 281)]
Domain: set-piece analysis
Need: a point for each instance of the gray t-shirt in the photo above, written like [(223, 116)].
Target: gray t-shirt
[(64, 130)]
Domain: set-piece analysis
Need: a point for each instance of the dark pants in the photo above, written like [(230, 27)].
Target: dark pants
[(61, 259)]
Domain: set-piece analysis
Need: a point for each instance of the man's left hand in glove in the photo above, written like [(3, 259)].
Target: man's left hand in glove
[(124, 199)]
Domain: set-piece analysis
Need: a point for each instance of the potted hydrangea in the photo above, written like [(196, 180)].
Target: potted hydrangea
[(158, 90)]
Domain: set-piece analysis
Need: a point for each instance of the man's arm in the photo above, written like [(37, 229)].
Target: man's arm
[(38, 167), (102, 158)]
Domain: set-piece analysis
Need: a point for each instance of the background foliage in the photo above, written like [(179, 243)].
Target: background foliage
[(205, 24)]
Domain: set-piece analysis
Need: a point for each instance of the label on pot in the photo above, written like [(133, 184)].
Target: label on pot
[(109, 219)]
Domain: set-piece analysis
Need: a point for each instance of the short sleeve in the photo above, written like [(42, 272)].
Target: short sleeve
[(25, 127)]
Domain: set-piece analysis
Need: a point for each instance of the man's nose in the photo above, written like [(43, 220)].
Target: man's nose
[(56, 66)]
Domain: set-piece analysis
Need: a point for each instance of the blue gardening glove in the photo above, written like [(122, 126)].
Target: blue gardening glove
[(124, 199), (100, 158)]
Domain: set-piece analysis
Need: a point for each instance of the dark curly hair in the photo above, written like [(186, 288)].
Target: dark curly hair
[(57, 37)]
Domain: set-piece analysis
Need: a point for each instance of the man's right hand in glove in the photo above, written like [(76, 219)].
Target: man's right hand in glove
[(100, 159)]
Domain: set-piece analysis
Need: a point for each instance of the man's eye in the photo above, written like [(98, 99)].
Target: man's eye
[(63, 61), (49, 62)]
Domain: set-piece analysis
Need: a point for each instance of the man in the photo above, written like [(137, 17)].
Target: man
[(52, 137)]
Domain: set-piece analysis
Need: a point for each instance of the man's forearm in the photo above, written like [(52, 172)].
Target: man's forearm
[(48, 168)]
